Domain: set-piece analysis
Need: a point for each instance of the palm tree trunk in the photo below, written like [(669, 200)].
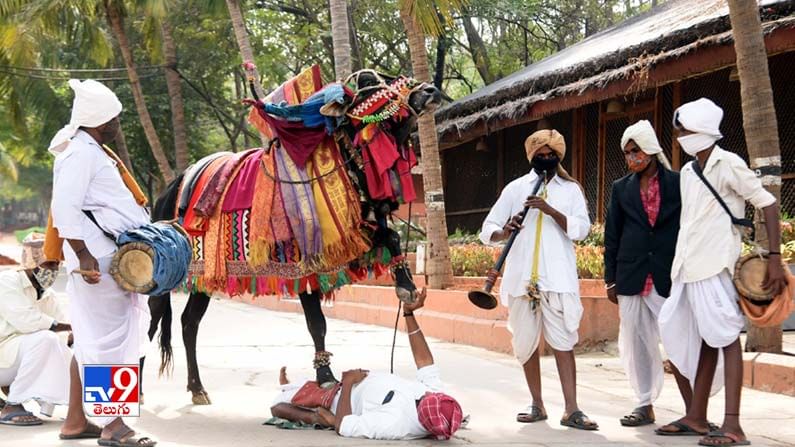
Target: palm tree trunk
[(241, 34), (440, 270), (761, 128), (175, 95), (340, 35), (117, 27)]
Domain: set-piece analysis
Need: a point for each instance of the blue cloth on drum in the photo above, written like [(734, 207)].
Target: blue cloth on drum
[(172, 254)]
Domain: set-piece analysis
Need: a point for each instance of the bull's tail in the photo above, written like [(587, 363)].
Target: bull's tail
[(166, 353)]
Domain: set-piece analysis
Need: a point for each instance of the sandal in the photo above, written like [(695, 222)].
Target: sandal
[(580, 421), (9, 419), (639, 417), (682, 429), (535, 414), (720, 435), (90, 431), (125, 437)]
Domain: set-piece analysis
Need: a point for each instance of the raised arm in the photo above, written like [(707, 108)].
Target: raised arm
[(419, 347)]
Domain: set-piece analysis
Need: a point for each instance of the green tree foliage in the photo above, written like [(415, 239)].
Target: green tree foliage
[(287, 35)]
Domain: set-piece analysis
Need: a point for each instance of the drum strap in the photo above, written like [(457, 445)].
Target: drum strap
[(91, 217), (735, 220)]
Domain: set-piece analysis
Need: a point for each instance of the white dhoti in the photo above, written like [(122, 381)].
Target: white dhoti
[(40, 371), (558, 316), (639, 344), (106, 322), (703, 310)]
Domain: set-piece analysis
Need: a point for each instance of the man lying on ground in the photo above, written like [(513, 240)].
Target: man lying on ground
[(378, 405)]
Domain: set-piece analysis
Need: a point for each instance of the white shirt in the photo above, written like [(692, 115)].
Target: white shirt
[(22, 313), (708, 242), (557, 266), (85, 178), (397, 419)]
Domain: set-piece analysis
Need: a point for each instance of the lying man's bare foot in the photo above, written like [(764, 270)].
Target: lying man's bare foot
[(283, 376)]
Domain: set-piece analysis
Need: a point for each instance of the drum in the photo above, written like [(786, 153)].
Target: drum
[(153, 259), (749, 274)]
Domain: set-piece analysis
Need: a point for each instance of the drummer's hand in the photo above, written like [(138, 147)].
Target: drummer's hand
[(775, 281), (89, 264), (70, 340), (416, 305)]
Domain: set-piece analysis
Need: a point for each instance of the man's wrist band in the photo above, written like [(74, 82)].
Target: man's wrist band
[(609, 286), (408, 314), (415, 332)]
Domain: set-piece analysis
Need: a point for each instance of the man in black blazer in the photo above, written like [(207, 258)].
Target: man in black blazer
[(641, 229)]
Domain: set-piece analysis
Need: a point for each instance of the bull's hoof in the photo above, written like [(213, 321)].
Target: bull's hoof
[(201, 398), (325, 377), (407, 296), (405, 289)]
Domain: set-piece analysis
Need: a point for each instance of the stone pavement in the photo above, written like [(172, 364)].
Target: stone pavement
[(241, 348)]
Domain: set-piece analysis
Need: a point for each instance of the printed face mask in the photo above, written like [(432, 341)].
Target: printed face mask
[(45, 277), (637, 161)]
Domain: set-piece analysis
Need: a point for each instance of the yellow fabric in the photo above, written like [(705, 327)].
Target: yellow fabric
[(537, 249), (337, 208), (53, 243)]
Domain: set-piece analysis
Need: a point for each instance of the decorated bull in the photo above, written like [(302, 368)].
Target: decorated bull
[(305, 215)]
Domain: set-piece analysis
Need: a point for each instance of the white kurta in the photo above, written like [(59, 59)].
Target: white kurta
[(557, 267), (106, 320), (34, 361), (372, 419), (639, 344), (561, 310)]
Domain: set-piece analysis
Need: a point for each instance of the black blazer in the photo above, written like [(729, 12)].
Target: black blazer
[(633, 248)]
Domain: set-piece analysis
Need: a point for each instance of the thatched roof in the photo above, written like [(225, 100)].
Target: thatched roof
[(668, 31)]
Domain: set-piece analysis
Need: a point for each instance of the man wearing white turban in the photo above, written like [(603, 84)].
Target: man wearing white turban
[(540, 285), (700, 323), (90, 203), (641, 227)]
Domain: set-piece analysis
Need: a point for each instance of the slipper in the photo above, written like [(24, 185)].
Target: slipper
[(682, 429), (130, 440), (535, 414), (580, 421), (9, 419), (639, 417), (734, 439), (90, 431)]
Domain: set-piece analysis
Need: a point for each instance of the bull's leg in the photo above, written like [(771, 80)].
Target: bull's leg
[(316, 323), (404, 284), (191, 317)]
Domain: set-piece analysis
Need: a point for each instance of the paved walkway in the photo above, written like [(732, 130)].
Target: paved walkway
[(241, 348)]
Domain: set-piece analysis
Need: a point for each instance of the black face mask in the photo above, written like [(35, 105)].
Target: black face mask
[(549, 164)]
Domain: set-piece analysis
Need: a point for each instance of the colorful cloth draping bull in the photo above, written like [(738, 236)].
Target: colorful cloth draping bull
[(305, 215)]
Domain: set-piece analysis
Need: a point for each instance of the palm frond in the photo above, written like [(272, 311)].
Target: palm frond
[(427, 12), (8, 167)]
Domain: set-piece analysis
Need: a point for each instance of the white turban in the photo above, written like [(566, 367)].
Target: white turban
[(642, 133), (700, 116), (94, 106)]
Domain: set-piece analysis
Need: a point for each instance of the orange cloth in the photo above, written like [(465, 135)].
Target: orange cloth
[(776, 312), (53, 243)]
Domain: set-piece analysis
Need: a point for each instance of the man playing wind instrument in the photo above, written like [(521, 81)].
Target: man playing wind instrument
[(540, 285)]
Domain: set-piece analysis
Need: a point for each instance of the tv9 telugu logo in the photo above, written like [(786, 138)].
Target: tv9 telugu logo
[(111, 390)]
